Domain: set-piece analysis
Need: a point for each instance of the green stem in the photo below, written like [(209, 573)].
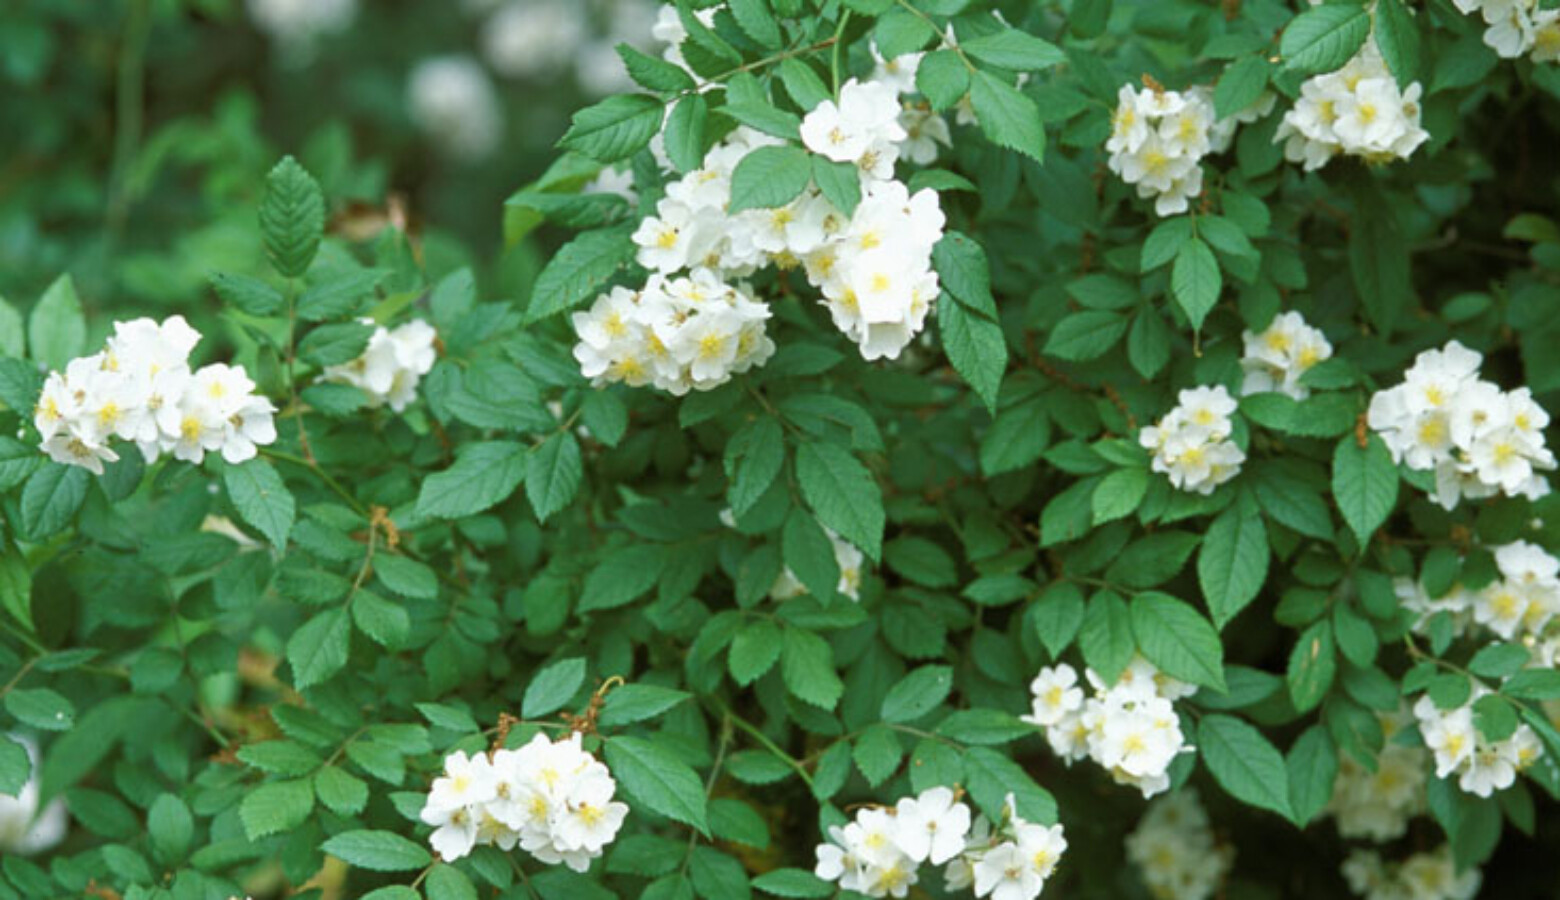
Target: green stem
[(129, 89), (834, 55), (764, 741)]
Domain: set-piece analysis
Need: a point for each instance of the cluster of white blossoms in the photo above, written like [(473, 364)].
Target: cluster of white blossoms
[(1378, 805), (1174, 849), (1130, 728), (873, 267), (1192, 445), (140, 388), (1358, 110), (25, 829), (551, 798), (679, 334), (880, 853), (1276, 358), (1159, 138), (1518, 605), (451, 100), (1478, 439), (1482, 766), (1423, 876), (1515, 27), (392, 365)]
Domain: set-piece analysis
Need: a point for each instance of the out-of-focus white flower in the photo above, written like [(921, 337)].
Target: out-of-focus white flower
[(25, 830), (452, 100), (1423, 876), (1378, 805), (1174, 849), (297, 24), (531, 38)]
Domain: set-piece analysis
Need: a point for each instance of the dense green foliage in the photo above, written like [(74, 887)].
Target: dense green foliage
[(520, 548)]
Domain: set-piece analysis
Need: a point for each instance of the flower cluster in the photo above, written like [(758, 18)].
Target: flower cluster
[(1358, 110), (1515, 27), (880, 853), (452, 100), (1379, 804), (873, 266), (1192, 445), (1521, 603), (1276, 358), (1482, 766), (296, 24), (140, 388), (846, 556), (675, 333), (552, 798), (1130, 728), (26, 830), (1423, 876), (1174, 849), (391, 366), (1478, 439), (1159, 138)]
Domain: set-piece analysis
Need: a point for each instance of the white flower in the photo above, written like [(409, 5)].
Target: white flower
[(1056, 695), (452, 100), (1174, 850), (533, 38), (863, 128), (25, 830), (1358, 110), (1280, 355), (1423, 876), (1159, 137), (1190, 444), (392, 365), (1379, 804), (298, 23), (932, 826)]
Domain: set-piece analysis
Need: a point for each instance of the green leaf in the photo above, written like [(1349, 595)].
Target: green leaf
[(16, 588), (15, 767), (809, 554), (1313, 768), (171, 828), (1014, 49), (1119, 494), (318, 649), (552, 476), (578, 269), (653, 72), (1085, 335), (56, 330), (275, 807), (51, 498), (340, 296), (553, 687), (1323, 38), (975, 347), (808, 90), (843, 493), (1008, 118), (41, 708), (769, 177), (916, 694), (1195, 281), (377, 851), (1057, 615), (292, 218), (1233, 562), (1241, 85), (754, 457), (877, 753), (980, 727), (685, 129), (807, 667), (992, 776), (261, 499), (484, 475), (754, 651), (1379, 260), (943, 78), (446, 882), (1313, 663), (344, 794), (406, 577), (1365, 484), (1177, 640), (623, 577), (651, 776), (639, 702), (250, 295), (1244, 763), (754, 17), (1148, 343), (1398, 38), (1106, 636), (965, 272), (387, 623), (614, 129), (1016, 438), (840, 183), (793, 883)]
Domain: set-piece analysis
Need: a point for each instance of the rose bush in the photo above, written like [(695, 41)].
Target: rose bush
[(945, 448)]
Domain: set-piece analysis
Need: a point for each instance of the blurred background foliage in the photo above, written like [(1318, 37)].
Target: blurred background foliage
[(137, 132)]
